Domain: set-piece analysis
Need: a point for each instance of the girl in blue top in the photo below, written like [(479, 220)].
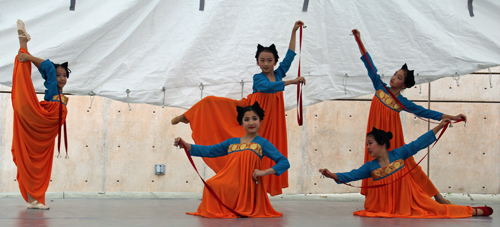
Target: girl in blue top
[(238, 184), (384, 114), (398, 195)]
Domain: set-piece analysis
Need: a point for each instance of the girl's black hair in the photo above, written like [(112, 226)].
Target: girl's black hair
[(271, 49), (410, 78), (382, 137), (255, 108), (65, 67)]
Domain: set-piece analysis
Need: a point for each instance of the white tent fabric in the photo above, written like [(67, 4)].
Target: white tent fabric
[(147, 45)]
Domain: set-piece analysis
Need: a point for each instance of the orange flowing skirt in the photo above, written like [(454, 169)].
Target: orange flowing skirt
[(236, 189), (383, 117), (405, 199), (213, 120), (36, 125)]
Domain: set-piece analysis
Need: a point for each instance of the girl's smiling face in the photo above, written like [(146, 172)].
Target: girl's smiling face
[(266, 62), (251, 122), (374, 149), (398, 79), (61, 77)]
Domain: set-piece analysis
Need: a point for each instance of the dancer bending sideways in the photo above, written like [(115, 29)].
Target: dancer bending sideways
[(208, 117), (239, 183), (36, 124), (384, 115), (403, 198)]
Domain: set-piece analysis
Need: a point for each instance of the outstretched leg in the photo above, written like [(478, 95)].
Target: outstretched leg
[(180, 118), (440, 199)]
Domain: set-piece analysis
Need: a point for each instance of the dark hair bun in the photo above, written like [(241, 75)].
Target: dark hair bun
[(389, 134), (382, 137), (410, 77)]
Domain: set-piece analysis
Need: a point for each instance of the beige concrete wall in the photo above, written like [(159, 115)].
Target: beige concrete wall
[(112, 148)]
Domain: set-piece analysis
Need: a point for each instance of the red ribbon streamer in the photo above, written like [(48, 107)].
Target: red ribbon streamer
[(299, 87), (206, 185), (65, 132), (382, 185)]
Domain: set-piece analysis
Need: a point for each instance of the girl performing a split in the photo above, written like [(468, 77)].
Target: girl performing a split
[(401, 197)]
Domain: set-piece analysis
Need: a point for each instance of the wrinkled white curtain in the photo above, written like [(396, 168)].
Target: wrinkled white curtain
[(145, 46)]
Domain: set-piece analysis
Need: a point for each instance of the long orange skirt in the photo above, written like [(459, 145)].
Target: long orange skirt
[(382, 117), (405, 199), (236, 189), (36, 125), (213, 120)]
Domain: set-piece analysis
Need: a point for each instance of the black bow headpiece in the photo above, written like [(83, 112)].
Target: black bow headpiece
[(65, 67), (410, 78), (255, 108), (270, 49)]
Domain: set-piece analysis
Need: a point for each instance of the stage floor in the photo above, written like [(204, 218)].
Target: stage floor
[(168, 209)]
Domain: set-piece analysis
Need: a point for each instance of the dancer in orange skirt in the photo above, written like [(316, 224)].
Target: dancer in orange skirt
[(36, 124), (384, 115), (237, 183), (402, 198), (208, 117)]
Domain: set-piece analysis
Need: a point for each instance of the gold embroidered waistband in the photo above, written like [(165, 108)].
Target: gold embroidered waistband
[(245, 146), (387, 170), (388, 100), (63, 97)]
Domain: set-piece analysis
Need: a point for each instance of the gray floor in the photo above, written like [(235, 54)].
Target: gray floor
[(168, 209)]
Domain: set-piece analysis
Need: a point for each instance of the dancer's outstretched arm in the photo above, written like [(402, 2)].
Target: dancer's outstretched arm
[(22, 57)]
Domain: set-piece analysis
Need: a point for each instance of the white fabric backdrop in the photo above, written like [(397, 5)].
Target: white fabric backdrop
[(141, 45)]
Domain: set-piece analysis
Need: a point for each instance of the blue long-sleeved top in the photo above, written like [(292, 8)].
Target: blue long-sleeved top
[(378, 84), (402, 153), (48, 72), (221, 149), (262, 84)]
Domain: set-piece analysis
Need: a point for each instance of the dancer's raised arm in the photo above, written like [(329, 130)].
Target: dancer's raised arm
[(296, 26), (362, 49)]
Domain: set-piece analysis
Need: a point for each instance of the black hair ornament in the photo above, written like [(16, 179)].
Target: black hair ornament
[(255, 107), (410, 78), (271, 49), (65, 67)]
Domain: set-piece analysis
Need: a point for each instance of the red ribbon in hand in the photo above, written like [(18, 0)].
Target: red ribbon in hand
[(382, 185), (206, 185), (299, 87)]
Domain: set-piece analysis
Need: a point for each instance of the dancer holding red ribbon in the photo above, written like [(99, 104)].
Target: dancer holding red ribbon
[(36, 124), (384, 115), (402, 198), (208, 117), (237, 185)]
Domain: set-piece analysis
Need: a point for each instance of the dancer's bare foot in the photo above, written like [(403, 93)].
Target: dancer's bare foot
[(37, 205), (440, 199), (180, 118)]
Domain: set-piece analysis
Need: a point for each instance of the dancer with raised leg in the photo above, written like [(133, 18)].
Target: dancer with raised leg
[(36, 124), (384, 115), (208, 117)]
